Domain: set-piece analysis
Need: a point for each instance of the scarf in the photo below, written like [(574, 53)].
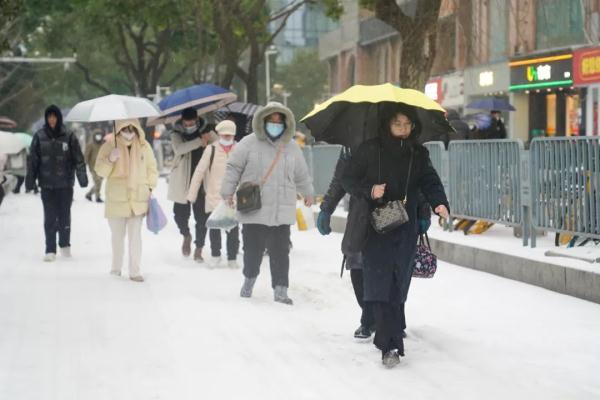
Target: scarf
[(130, 162)]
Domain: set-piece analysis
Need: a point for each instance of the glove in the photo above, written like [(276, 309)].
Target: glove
[(114, 155), (424, 225), (323, 221)]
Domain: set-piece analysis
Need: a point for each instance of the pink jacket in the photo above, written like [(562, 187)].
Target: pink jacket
[(209, 176)]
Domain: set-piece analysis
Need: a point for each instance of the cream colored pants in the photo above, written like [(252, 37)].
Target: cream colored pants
[(131, 226)]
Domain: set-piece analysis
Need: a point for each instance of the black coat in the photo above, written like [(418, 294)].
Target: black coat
[(496, 130), (55, 159), (388, 258)]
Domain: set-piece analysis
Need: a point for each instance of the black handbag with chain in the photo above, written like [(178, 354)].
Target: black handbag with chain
[(392, 214)]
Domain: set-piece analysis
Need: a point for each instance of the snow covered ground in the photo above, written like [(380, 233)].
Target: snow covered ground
[(69, 330)]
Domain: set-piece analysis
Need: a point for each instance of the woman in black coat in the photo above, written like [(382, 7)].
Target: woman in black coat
[(379, 173)]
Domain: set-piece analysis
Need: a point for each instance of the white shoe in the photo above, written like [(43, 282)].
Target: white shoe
[(138, 278), (214, 262), (50, 257), (115, 273), (233, 264), (65, 252)]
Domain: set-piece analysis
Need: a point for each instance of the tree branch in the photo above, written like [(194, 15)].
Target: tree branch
[(88, 78)]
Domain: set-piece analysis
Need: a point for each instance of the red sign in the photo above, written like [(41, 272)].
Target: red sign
[(586, 66), (433, 89)]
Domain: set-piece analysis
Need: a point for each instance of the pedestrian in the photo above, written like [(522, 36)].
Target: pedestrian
[(189, 138), (55, 160), (497, 130), (268, 160), (209, 174), (393, 167), (353, 259), (127, 163), (91, 153), (461, 128)]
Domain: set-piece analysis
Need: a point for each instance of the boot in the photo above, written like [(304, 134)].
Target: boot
[(247, 287), (363, 332), (233, 264), (88, 196), (280, 295), (186, 247), (138, 278), (198, 255), (65, 252), (50, 257), (214, 262), (99, 199), (391, 359)]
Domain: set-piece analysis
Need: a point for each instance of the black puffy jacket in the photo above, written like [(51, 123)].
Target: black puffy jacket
[(56, 158)]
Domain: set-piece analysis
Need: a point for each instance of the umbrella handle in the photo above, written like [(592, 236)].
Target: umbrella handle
[(115, 132)]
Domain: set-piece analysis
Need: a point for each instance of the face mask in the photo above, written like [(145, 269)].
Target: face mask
[(190, 129), (127, 135), (98, 138), (225, 142), (274, 129)]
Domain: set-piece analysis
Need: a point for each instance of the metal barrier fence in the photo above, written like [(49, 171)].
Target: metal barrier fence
[(439, 159), (485, 180), (321, 160), (565, 185)]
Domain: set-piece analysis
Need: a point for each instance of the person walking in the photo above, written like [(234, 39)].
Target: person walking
[(55, 160), (210, 172), (189, 138), (91, 153), (127, 163), (393, 167), (270, 159), (497, 130)]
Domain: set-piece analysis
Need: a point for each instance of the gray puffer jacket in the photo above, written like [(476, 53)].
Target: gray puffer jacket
[(252, 157)]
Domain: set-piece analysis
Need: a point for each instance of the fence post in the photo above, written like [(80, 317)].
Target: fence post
[(526, 226)]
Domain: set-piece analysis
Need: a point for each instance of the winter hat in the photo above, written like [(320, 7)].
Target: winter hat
[(226, 127), (189, 114), (52, 109)]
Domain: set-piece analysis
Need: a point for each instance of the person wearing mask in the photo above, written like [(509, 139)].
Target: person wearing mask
[(270, 160), (189, 138), (127, 163), (393, 167), (55, 160), (210, 172), (91, 153)]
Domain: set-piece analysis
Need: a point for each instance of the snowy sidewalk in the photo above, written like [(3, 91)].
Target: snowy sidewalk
[(69, 330)]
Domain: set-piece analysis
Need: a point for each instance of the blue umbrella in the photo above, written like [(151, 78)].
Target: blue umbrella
[(492, 103), (204, 98)]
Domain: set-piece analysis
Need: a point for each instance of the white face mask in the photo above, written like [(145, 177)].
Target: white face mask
[(226, 142), (127, 135)]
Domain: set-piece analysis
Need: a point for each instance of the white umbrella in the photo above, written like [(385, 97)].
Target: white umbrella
[(10, 144), (112, 107)]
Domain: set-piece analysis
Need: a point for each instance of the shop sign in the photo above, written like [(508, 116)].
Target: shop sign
[(486, 78), (433, 89), (541, 72), (586, 66)]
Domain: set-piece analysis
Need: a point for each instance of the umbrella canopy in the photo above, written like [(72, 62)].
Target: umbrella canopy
[(204, 98), (24, 137), (7, 123), (112, 107), (10, 143), (353, 116), (237, 107), (492, 103)]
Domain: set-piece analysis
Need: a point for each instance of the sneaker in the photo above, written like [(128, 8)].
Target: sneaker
[(138, 278), (214, 262), (88, 196), (115, 273), (50, 257), (280, 295), (198, 255), (233, 264), (247, 287), (391, 359), (65, 252), (186, 247), (363, 332)]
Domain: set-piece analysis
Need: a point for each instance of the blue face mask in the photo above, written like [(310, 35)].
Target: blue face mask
[(274, 129)]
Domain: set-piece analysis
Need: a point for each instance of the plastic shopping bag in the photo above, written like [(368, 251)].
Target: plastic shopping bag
[(223, 217), (155, 219), (305, 218)]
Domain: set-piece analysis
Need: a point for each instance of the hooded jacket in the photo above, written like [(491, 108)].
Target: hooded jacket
[(183, 146), (55, 156), (121, 201), (250, 161)]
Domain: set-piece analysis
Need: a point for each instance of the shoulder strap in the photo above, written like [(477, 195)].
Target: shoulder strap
[(408, 177), (212, 157), (272, 167)]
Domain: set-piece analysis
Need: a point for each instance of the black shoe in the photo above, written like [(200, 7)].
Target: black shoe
[(88, 196), (391, 359), (363, 332), (99, 200)]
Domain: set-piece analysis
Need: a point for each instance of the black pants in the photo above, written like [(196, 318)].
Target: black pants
[(57, 217), (182, 216), (389, 324), (276, 239), (233, 243), (366, 319)]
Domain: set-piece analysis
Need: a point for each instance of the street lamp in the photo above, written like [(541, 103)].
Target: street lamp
[(272, 50)]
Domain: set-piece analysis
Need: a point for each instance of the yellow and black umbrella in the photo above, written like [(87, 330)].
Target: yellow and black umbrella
[(353, 116)]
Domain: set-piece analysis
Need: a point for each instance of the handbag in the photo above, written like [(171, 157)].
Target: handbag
[(155, 219), (248, 194), (392, 214), (425, 263)]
